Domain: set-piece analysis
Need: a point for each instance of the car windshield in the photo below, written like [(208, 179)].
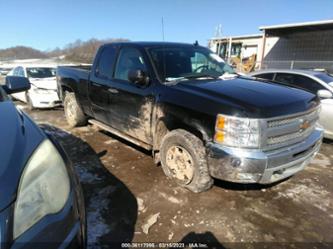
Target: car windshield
[(327, 78), (174, 63), (41, 72)]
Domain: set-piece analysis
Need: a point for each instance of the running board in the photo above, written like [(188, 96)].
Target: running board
[(120, 134)]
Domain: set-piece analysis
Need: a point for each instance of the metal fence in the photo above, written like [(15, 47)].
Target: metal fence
[(295, 64)]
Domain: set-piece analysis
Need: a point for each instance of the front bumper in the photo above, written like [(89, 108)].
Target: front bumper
[(48, 99), (255, 166)]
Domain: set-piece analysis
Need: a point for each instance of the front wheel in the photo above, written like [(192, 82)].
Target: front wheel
[(183, 158), (73, 112)]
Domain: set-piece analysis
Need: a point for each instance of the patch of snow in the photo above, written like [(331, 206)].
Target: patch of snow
[(170, 236), (311, 194), (171, 198), (141, 205), (150, 222)]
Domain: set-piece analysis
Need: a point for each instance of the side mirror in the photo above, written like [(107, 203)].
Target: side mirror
[(324, 94), (138, 76), (16, 84)]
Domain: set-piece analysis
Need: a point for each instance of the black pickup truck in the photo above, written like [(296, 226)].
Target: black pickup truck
[(200, 119)]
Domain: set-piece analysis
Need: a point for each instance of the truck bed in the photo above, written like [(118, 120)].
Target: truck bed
[(72, 77)]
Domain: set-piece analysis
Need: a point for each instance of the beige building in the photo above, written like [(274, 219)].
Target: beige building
[(299, 45)]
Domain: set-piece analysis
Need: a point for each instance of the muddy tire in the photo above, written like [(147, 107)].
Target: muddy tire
[(73, 112), (183, 159)]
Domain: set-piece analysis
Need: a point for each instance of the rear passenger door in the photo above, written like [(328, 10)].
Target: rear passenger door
[(99, 86)]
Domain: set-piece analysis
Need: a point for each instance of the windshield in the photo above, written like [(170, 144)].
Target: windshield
[(173, 63), (41, 72), (327, 78)]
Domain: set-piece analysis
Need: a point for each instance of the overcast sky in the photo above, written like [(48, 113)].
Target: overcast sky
[(46, 24)]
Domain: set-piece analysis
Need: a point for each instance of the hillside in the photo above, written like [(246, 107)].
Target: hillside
[(81, 51), (78, 51), (21, 52)]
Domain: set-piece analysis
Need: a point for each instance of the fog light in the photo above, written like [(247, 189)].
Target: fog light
[(235, 162)]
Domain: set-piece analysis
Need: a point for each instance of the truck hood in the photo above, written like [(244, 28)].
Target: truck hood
[(45, 83), (19, 137), (255, 98)]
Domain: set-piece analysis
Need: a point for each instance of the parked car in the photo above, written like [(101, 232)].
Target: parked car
[(199, 118), (316, 82), (43, 91), (41, 201), (4, 70)]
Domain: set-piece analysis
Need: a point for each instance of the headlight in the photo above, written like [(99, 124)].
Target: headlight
[(44, 188), (237, 132)]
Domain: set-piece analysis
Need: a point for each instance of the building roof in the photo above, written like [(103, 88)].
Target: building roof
[(300, 24), (237, 37)]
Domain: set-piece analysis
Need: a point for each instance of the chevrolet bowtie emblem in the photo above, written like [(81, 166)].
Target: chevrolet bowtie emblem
[(304, 125)]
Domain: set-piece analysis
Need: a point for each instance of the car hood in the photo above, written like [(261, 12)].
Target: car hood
[(45, 83), (254, 98), (19, 137)]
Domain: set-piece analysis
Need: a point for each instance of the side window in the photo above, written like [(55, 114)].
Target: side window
[(15, 71), (105, 63), (198, 61), (266, 76), (299, 81), (20, 72), (129, 59), (307, 83), (284, 78)]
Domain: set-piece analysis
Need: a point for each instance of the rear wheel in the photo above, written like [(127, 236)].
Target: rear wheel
[(183, 158), (73, 112)]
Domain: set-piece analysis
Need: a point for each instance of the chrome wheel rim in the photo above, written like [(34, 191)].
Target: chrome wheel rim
[(180, 164)]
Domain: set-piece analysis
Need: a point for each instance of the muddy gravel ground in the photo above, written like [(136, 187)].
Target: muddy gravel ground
[(128, 198)]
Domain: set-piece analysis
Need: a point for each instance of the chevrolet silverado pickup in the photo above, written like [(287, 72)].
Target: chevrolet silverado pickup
[(198, 117)]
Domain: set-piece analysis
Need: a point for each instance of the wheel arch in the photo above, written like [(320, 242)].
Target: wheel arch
[(166, 124)]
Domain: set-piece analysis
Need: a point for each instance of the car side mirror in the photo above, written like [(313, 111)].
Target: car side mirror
[(138, 77), (14, 84), (324, 94)]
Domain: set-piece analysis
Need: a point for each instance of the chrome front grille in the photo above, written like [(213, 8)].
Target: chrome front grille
[(288, 130), (280, 122), (291, 136)]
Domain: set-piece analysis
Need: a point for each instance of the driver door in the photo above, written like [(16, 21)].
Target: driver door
[(132, 104)]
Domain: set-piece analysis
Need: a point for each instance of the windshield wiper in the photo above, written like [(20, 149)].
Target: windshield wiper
[(171, 80), (197, 76)]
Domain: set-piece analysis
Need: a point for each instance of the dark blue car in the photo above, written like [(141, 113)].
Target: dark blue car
[(41, 200)]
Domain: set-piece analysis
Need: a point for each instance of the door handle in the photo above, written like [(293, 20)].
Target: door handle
[(113, 90)]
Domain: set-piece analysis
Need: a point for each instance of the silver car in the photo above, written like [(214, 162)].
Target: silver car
[(317, 82)]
